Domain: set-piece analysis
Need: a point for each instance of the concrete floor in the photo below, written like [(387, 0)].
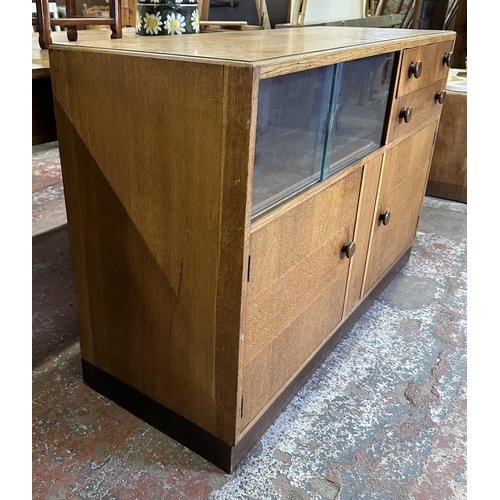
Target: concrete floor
[(385, 417)]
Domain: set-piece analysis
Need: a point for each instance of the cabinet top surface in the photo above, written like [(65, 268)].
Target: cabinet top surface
[(263, 46)]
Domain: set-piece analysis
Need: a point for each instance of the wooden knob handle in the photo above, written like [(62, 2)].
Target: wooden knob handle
[(447, 59), (415, 69), (440, 96), (349, 249), (405, 114), (385, 217)]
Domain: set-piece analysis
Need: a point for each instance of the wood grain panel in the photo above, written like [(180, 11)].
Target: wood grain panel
[(72, 194), (448, 174), (240, 108), (364, 220), (288, 317), (265, 45), (269, 372), (432, 67), (424, 107), (276, 306), (149, 183), (303, 268), (402, 185)]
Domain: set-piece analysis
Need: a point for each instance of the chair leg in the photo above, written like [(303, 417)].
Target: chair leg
[(71, 12), (115, 12), (43, 23)]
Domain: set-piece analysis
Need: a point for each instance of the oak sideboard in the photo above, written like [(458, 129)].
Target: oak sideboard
[(234, 220)]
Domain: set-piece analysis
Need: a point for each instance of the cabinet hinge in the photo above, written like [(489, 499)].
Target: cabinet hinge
[(241, 409), (248, 270)]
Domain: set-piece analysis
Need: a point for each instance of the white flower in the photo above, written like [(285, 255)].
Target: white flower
[(138, 21), (176, 24), (153, 23), (195, 21)]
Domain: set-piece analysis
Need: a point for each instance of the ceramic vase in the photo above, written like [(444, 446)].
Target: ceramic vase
[(167, 17)]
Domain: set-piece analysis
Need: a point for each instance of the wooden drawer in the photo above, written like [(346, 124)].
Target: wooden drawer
[(433, 67), (424, 105)]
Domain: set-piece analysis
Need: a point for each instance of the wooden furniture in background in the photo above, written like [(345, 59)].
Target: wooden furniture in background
[(72, 21), (129, 12), (53, 12), (42, 107), (299, 12), (195, 315), (448, 174), (128, 9)]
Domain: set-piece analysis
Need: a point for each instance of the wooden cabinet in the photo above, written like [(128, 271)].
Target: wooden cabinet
[(198, 312)]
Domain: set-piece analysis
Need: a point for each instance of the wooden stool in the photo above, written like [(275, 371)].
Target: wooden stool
[(44, 22)]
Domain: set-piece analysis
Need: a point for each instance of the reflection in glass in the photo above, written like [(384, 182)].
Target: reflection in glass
[(291, 126), (358, 110)]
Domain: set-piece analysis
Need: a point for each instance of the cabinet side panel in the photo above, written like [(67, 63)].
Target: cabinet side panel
[(148, 182), (239, 119), (72, 193)]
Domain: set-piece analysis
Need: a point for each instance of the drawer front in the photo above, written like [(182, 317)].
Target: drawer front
[(412, 110), (422, 66), (296, 289)]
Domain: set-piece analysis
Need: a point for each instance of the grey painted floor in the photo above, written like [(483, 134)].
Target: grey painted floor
[(385, 417)]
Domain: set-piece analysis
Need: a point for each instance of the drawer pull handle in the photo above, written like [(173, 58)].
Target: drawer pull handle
[(440, 96), (349, 249), (384, 218), (405, 114), (415, 69), (447, 59)]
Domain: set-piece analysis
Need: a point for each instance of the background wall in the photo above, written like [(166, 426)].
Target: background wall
[(319, 11)]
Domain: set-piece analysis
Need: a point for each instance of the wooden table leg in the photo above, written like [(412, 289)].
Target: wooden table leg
[(71, 12), (43, 23), (115, 12)]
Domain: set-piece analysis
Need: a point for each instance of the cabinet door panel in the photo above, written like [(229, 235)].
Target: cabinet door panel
[(402, 186), (296, 290)]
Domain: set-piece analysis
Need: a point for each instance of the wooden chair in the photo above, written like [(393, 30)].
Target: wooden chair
[(44, 22), (52, 12), (95, 11)]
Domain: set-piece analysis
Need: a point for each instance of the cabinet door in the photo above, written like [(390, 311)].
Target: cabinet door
[(401, 191), (296, 288)]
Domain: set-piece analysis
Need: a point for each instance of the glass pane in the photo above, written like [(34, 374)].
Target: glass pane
[(291, 124), (358, 110)]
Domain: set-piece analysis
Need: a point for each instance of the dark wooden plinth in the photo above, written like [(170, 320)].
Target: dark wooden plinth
[(218, 452)]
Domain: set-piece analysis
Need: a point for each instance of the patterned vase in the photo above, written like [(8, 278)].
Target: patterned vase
[(167, 17)]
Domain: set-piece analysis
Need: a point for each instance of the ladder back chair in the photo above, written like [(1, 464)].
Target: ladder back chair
[(45, 22)]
